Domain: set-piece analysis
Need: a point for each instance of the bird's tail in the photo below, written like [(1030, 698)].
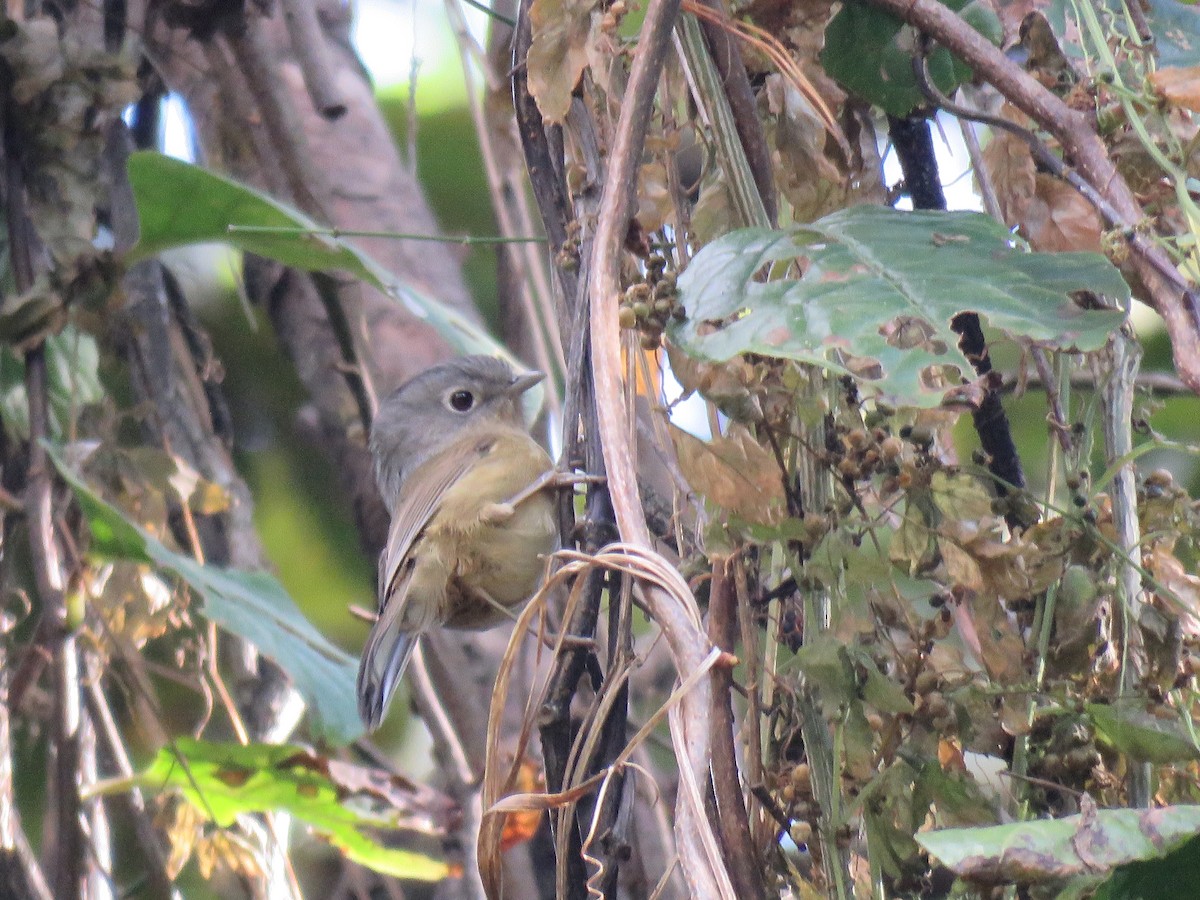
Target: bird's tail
[(384, 660)]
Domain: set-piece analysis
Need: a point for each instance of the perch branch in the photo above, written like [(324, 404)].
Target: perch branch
[(676, 614), (1167, 291)]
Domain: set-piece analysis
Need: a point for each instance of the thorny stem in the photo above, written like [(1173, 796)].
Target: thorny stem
[(914, 147)]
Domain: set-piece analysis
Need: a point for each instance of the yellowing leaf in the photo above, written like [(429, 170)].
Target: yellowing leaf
[(734, 472), (961, 497), (558, 54), (182, 825), (961, 568)]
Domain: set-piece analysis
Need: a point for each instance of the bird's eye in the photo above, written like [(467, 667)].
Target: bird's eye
[(461, 401)]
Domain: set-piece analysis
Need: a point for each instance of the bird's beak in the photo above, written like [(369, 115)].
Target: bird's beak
[(522, 383)]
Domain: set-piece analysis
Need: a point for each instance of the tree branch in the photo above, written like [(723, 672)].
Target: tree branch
[(1167, 292)]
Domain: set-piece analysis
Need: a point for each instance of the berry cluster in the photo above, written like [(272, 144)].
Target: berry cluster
[(649, 304)]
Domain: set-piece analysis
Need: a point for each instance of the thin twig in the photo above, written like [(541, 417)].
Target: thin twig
[(745, 868), (66, 851), (157, 875), (21, 876)]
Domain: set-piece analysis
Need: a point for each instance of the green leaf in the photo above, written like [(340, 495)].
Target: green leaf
[(358, 810), (1055, 849), (878, 291), (1173, 876), (72, 382), (870, 53), (1175, 26), (180, 204), (1140, 735), (252, 605)]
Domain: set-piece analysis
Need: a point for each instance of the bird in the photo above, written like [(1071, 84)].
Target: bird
[(471, 522)]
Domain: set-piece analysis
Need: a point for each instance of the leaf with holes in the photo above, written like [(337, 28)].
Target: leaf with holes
[(871, 292), (1056, 849)]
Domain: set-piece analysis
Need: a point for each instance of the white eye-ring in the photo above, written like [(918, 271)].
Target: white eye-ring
[(461, 401)]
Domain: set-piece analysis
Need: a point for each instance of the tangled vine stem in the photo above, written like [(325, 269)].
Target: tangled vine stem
[(1175, 303), (691, 730)]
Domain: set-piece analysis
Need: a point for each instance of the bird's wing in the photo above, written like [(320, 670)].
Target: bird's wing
[(420, 497), (393, 638)]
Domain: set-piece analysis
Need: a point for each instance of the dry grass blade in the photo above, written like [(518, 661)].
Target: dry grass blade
[(674, 610), (768, 44), (501, 771)]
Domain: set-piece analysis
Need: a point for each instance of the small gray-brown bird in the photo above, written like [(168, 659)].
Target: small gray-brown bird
[(470, 525)]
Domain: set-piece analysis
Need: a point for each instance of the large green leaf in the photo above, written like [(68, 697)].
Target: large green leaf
[(1173, 876), (358, 810), (1055, 849), (180, 204), (870, 52), (1173, 23), (252, 605), (877, 292)]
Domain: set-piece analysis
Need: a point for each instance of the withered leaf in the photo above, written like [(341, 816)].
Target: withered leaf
[(734, 472), (1010, 167), (1179, 87), (1059, 219), (558, 54)]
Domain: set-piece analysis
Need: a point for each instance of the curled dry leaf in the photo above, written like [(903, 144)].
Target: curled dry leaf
[(229, 852), (134, 602), (1178, 87), (1059, 219), (1052, 215), (1000, 645), (817, 171), (562, 30), (734, 472), (182, 825), (1010, 167), (1184, 588), (725, 384)]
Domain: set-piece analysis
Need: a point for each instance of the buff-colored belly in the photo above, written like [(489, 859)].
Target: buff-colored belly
[(503, 567)]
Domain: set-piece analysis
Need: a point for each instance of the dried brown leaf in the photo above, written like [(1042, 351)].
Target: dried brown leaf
[(1179, 87), (559, 52), (734, 472), (1010, 167), (1184, 598), (1059, 219), (227, 851), (181, 824), (999, 641)]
